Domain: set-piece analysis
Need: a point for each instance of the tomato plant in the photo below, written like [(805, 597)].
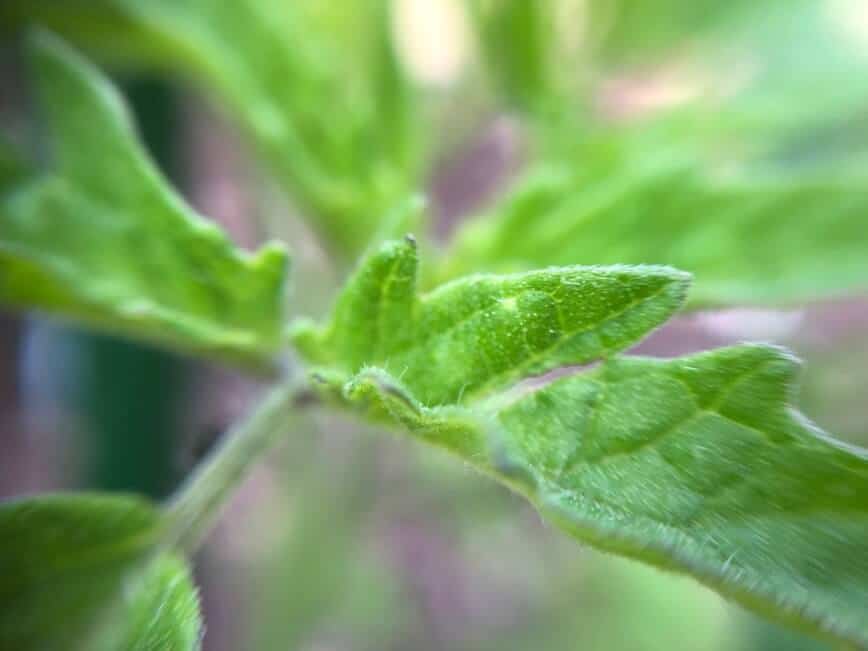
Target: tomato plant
[(699, 465)]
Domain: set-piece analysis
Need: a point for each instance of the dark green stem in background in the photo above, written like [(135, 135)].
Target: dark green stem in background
[(198, 503), (121, 386)]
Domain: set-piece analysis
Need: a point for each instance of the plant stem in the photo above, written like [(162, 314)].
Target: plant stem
[(197, 505)]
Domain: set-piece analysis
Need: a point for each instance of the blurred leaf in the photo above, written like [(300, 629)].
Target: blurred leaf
[(634, 30), (697, 465), (64, 560), (475, 335), (782, 94), (105, 241), (162, 612), (12, 167), (518, 45), (760, 239), (317, 86)]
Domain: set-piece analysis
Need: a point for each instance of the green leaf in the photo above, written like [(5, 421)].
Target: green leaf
[(760, 239), (64, 560), (12, 167), (377, 396), (470, 337), (162, 612), (806, 100), (696, 465), (518, 44), (701, 465), (102, 239), (634, 30), (317, 87)]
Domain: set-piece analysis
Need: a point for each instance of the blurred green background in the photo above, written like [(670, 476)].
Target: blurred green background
[(346, 538)]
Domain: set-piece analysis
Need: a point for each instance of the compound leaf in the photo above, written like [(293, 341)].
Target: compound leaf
[(475, 335), (64, 560), (102, 239), (696, 465)]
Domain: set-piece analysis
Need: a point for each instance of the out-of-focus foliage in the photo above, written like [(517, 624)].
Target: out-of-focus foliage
[(636, 30), (161, 612), (12, 167), (516, 42), (79, 572), (726, 186), (316, 85), (102, 239), (65, 560), (787, 96), (622, 198)]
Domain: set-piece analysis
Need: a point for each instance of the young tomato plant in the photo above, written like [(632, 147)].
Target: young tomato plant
[(699, 465)]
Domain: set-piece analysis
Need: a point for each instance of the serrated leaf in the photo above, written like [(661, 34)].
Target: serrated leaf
[(701, 465), (318, 87), (696, 465), (102, 238), (64, 560), (766, 239), (162, 611), (470, 337)]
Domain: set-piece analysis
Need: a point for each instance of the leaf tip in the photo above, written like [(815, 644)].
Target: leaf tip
[(273, 256), (672, 285)]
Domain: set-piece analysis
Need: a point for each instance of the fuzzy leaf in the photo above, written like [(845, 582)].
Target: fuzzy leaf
[(162, 613), (276, 66), (696, 465), (378, 397), (746, 240), (700, 465), (102, 238), (470, 337), (64, 560)]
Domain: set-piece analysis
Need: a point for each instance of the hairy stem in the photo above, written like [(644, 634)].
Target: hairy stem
[(196, 506)]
